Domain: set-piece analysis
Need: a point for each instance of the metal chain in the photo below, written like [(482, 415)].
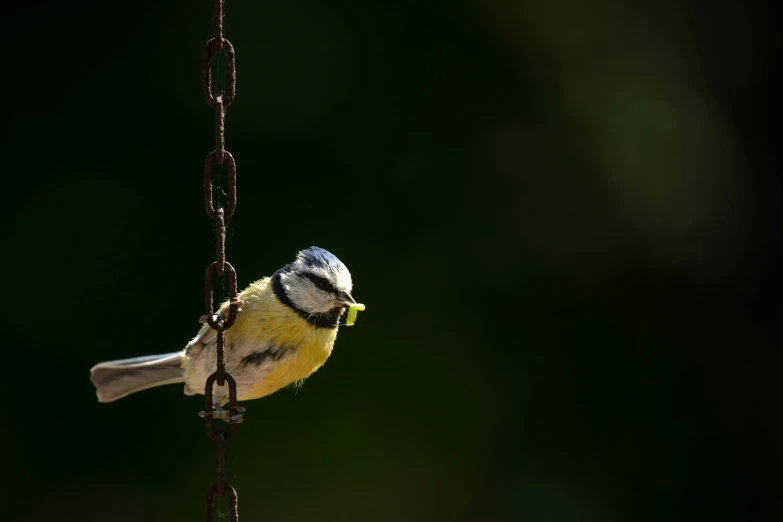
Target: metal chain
[(220, 267)]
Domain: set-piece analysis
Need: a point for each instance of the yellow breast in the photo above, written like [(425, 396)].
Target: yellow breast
[(265, 320)]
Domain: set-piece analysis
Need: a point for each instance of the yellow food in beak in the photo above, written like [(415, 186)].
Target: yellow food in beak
[(352, 311)]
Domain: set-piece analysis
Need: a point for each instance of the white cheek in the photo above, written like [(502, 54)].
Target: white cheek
[(306, 297)]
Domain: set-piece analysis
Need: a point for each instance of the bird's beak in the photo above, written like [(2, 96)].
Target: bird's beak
[(345, 300)]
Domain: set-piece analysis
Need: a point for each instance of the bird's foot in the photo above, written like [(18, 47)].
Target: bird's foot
[(240, 303)]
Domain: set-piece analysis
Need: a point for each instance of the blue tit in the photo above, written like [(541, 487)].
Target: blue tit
[(284, 332)]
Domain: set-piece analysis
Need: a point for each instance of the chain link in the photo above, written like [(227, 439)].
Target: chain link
[(219, 44), (221, 267), (220, 129), (209, 167)]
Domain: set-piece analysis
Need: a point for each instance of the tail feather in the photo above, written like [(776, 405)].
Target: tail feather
[(115, 379)]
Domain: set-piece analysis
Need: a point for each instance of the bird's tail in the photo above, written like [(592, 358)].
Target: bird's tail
[(115, 379)]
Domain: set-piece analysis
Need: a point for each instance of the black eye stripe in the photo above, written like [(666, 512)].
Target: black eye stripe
[(312, 277), (315, 279), (329, 320)]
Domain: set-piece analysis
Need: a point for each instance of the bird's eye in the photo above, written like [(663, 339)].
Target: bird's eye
[(323, 283)]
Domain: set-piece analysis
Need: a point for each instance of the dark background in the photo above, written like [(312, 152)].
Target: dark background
[(562, 216)]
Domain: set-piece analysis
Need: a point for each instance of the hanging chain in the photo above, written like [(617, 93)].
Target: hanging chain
[(220, 267)]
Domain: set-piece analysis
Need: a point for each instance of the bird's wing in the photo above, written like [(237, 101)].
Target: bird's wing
[(206, 335)]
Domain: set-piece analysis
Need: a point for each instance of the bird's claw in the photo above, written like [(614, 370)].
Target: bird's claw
[(240, 303)]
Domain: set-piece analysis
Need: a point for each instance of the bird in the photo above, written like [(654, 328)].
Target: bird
[(285, 331)]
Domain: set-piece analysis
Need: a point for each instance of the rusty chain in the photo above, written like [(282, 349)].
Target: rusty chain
[(220, 267)]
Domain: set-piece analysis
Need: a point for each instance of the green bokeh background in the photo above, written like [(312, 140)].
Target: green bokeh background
[(562, 216)]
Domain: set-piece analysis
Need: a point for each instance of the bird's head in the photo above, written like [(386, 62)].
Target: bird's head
[(316, 285)]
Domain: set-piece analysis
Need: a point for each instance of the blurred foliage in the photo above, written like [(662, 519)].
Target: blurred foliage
[(562, 216)]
